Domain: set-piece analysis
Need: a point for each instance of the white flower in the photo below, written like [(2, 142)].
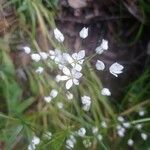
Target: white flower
[(35, 140), (144, 136), (27, 49), (103, 124), (60, 105), (52, 95), (70, 142), (72, 77), (130, 142), (43, 55), (104, 46), (100, 65), (87, 143), (84, 33), (69, 95), (47, 99), (39, 70), (58, 78), (36, 57), (116, 69), (95, 130), (99, 137), (56, 55), (48, 135), (86, 101), (106, 92), (141, 113), (31, 147), (138, 126), (58, 35), (120, 131), (120, 118), (81, 132), (76, 60), (126, 124)]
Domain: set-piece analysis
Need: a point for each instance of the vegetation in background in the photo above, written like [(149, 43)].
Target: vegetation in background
[(24, 114)]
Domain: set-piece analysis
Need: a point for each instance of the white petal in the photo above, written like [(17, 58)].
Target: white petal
[(47, 99), (69, 84), (39, 70), (99, 50), (77, 67), (58, 35), (75, 81), (68, 58), (69, 95), (36, 57), (104, 44), (75, 56), (84, 33), (66, 71), (116, 69), (100, 65), (54, 93), (27, 50), (43, 55), (64, 78), (81, 54), (105, 91)]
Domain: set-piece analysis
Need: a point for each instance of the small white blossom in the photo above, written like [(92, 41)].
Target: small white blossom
[(72, 77), (103, 124), (53, 93), (27, 49), (126, 124), (43, 55), (104, 46), (141, 113), (86, 101), (47, 99), (84, 33), (116, 69), (36, 57), (144, 136), (58, 78), (39, 70), (58, 35), (130, 142), (70, 142), (87, 143), (95, 130), (60, 105), (121, 131), (99, 137), (69, 95), (100, 65), (48, 135), (35, 141), (106, 92), (75, 60), (139, 126), (81, 132), (120, 118), (56, 55)]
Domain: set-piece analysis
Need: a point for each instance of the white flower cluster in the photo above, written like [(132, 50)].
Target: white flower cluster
[(35, 141)]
